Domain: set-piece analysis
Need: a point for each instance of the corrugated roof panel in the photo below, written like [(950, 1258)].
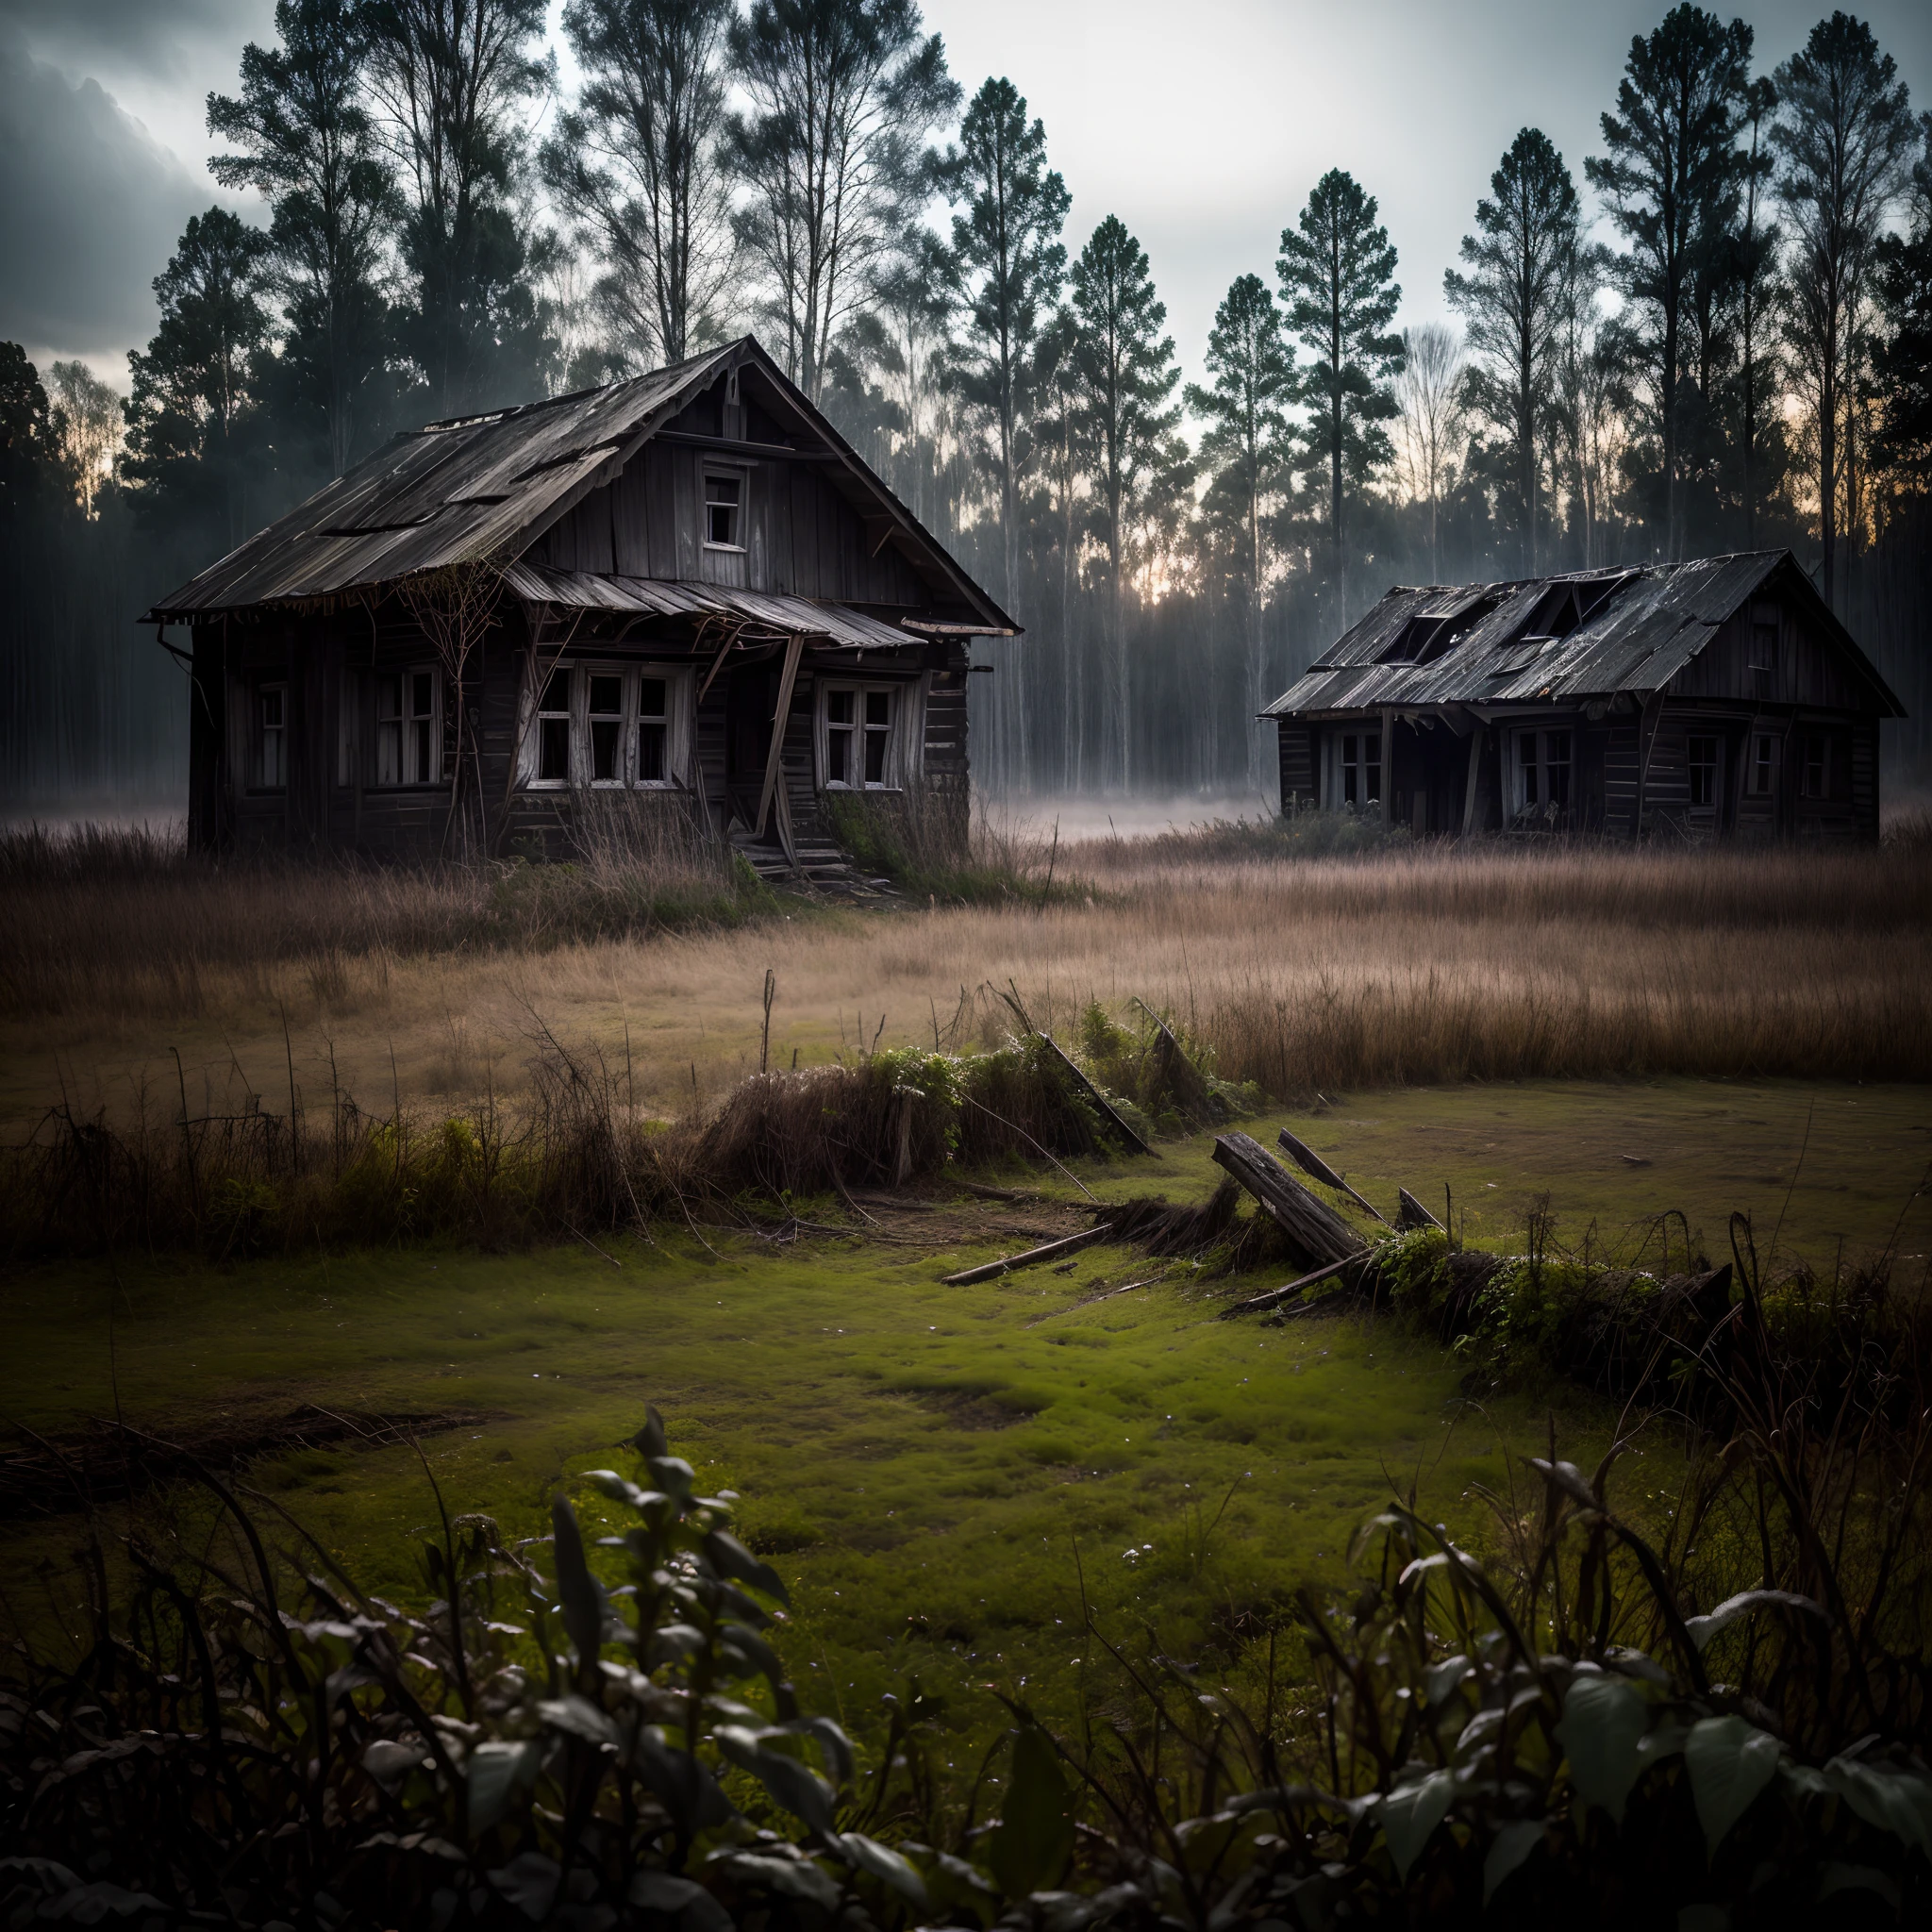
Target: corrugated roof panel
[(1637, 640), (786, 616)]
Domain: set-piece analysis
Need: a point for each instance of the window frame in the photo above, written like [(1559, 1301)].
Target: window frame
[(406, 722), (1368, 760), (1766, 762), (1818, 738), (904, 732), (723, 473), (1714, 765), (579, 758), (1537, 741), (265, 688)]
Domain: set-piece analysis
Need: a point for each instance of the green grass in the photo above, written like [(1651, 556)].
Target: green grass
[(925, 1461)]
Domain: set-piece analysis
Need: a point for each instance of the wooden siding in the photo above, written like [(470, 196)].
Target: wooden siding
[(800, 536), (1300, 775), (1745, 663)]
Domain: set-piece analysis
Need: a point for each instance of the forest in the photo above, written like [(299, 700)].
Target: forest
[(1712, 333)]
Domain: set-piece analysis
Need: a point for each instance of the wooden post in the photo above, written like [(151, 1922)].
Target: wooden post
[(1387, 728), (1318, 1233), (1652, 715), (1475, 766), (794, 649)]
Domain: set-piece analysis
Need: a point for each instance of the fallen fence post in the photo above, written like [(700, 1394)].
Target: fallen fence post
[(1313, 1163), (1259, 1304), (1413, 1213), (1317, 1231), (1085, 1239)]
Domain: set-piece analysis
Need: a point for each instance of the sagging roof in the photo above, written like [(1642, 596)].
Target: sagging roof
[(1552, 640), (838, 624), (488, 486)]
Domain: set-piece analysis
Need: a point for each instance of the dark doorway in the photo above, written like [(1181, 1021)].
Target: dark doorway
[(749, 698)]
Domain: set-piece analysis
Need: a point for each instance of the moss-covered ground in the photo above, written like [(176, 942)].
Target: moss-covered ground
[(940, 1470)]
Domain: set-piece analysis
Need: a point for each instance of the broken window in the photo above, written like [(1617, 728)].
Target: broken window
[(724, 507), (1816, 782), (610, 726), (1360, 769), (271, 736), (553, 730), (1700, 758), (654, 730), (408, 728), (859, 744), (1543, 766), (1767, 751), (607, 727)]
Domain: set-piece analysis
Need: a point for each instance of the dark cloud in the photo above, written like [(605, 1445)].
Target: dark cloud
[(157, 37), (90, 207)]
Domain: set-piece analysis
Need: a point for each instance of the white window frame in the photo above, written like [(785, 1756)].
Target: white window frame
[(718, 473), (418, 734), (1368, 760), (1530, 747), (277, 687), (579, 762), (904, 731)]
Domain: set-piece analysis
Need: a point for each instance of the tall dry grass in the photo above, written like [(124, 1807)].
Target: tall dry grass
[(1404, 964)]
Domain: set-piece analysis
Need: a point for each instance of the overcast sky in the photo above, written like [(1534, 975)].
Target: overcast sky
[(1203, 125)]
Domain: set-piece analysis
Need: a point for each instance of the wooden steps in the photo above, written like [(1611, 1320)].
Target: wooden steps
[(822, 867)]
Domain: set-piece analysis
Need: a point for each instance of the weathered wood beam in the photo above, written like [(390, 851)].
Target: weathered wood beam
[(1313, 1162), (1318, 1233), (1101, 1103), (1413, 1214), (1051, 1251), (775, 757), (1261, 1304)]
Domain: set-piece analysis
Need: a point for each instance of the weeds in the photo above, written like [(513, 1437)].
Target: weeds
[(1714, 1705)]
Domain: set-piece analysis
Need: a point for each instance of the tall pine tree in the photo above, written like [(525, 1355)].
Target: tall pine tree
[(197, 384), (1008, 263), (844, 95), (637, 165), (1245, 444), (1672, 151), (1338, 272), (307, 141), (1903, 353), (1127, 376), (453, 76), (1511, 307), (1844, 141)]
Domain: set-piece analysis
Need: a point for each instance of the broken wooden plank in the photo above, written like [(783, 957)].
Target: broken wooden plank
[(1051, 1250), (1306, 1156), (1318, 1233), (1261, 1304), (1179, 1074), (1411, 1213), (1102, 1104)]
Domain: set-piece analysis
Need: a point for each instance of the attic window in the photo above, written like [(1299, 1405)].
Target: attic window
[(724, 509)]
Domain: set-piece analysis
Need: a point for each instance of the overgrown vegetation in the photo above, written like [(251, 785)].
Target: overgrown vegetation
[(921, 839), (1715, 1699), (581, 1156)]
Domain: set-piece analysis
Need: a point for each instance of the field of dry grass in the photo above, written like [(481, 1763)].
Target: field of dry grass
[(1408, 965)]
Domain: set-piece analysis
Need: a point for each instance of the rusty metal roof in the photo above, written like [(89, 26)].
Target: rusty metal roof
[(473, 487), (761, 611), (486, 486), (1509, 642)]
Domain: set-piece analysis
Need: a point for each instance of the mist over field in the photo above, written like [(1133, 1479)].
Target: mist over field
[(1181, 531)]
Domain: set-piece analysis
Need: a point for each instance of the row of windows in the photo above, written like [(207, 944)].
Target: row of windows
[(1543, 762)]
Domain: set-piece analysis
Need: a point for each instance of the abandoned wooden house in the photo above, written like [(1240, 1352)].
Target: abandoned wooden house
[(1717, 698), (682, 594)]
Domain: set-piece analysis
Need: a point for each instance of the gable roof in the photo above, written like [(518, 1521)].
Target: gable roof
[(490, 485), (1552, 640)]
